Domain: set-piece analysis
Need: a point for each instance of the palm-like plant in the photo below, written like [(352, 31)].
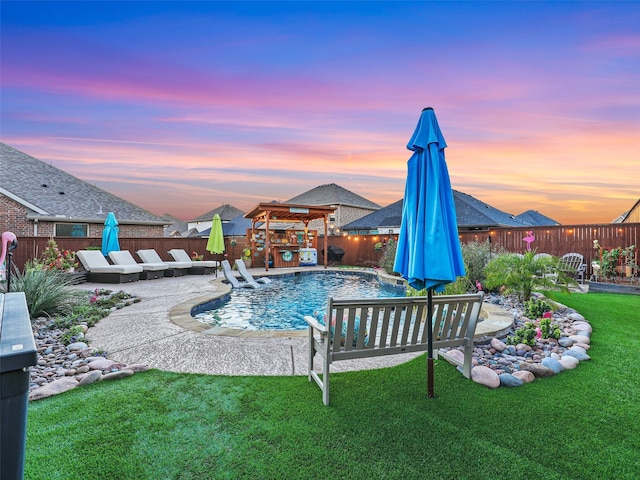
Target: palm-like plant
[(522, 274), (47, 291)]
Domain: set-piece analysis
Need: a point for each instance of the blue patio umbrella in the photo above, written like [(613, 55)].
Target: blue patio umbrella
[(428, 252), (110, 235)]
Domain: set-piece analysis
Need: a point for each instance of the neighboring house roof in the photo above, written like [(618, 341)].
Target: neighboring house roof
[(389, 216), (51, 194), (176, 226), (471, 214), (630, 216), (537, 219), (226, 212), (233, 228), (332, 194)]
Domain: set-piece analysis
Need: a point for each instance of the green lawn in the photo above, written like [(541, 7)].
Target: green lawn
[(581, 424)]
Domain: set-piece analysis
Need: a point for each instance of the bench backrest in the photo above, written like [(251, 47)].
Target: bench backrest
[(364, 326)]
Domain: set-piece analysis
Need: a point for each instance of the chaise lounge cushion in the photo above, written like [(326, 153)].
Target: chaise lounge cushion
[(179, 255), (124, 257), (94, 262), (151, 256)]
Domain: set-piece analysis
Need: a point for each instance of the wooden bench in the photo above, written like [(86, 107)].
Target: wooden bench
[(386, 326)]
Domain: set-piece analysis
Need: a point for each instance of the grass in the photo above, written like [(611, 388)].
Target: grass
[(581, 424)]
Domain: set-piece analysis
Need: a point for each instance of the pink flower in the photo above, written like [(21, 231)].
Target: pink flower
[(478, 285), (538, 332), (93, 299), (547, 315)]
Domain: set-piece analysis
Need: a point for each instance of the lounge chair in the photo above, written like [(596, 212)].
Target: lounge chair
[(242, 268), (150, 271), (231, 278), (200, 267), (572, 264), (99, 270), (176, 269)]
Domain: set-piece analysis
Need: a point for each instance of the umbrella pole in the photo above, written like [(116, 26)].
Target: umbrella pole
[(430, 393)]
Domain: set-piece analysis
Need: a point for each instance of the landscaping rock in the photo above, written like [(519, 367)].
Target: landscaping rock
[(57, 386), (101, 363), (485, 376), (577, 352), (538, 370), (508, 380), (553, 364), (498, 345), (91, 377), (569, 362), (525, 376)]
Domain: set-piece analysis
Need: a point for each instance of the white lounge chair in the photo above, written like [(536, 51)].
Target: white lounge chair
[(176, 269), (231, 278), (201, 267), (99, 270), (150, 271), (242, 268), (573, 265)]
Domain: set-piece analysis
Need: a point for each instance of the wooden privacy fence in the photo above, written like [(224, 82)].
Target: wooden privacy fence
[(361, 249)]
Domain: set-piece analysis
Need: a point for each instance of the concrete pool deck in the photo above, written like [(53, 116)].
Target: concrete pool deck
[(160, 332)]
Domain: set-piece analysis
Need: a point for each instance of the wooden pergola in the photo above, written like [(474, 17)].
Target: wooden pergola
[(288, 213)]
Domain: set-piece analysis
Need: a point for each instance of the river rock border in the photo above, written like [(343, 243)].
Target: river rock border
[(496, 364)]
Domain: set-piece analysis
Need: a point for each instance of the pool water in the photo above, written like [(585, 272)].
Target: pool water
[(282, 304)]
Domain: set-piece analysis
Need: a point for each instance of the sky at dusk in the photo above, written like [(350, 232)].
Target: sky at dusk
[(180, 107)]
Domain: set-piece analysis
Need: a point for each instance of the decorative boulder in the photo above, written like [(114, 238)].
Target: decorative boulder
[(485, 376)]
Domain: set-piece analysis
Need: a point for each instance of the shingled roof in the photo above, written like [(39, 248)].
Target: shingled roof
[(536, 218), (227, 213), (50, 193), (471, 214), (332, 194)]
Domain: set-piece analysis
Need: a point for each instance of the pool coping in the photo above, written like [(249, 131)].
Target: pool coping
[(497, 323)]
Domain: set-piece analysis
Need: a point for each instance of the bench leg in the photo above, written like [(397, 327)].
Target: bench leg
[(468, 356)]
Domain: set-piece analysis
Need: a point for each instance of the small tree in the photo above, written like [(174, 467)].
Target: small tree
[(389, 256), (522, 274)]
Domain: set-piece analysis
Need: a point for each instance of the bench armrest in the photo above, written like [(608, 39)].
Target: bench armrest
[(313, 323)]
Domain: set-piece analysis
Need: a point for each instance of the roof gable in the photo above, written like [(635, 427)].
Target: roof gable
[(50, 192), (332, 194), (227, 212), (536, 218)]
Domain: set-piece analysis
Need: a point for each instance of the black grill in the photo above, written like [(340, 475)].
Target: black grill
[(335, 254)]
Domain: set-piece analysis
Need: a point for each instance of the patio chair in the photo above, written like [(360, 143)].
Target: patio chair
[(231, 278), (176, 269), (150, 271), (200, 267), (242, 268), (99, 270), (572, 264)]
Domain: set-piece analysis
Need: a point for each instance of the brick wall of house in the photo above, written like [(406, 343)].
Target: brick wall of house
[(13, 218)]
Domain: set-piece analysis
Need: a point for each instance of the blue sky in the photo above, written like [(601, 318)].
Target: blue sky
[(182, 106)]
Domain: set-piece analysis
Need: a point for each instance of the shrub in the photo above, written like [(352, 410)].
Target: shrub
[(389, 257), (536, 308), (47, 291), (522, 274), (477, 256)]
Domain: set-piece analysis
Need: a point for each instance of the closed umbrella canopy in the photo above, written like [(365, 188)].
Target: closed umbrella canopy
[(110, 235), (215, 243), (428, 252)]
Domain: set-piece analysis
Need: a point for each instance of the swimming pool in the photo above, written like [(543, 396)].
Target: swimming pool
[(282, 304)]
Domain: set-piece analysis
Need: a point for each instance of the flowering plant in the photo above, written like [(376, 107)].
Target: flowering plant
[(55, 259), (196, 257), (246, 253)]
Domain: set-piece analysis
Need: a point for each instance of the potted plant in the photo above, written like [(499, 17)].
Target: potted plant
[(246, 257)]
